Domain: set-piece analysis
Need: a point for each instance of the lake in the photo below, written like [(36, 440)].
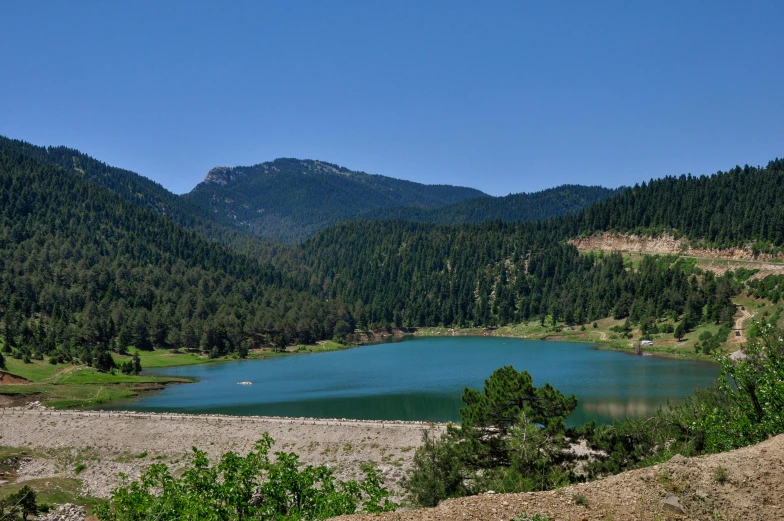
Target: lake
[(423, 378)]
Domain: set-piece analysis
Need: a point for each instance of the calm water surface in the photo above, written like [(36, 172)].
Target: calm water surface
[(423, 378)]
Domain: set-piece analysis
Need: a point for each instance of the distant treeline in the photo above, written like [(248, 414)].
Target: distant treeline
[(535, 206)]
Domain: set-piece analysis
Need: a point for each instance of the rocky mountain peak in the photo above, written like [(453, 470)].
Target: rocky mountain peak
[(220, 175)]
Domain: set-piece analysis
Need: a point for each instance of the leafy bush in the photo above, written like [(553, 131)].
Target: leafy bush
[(754, 391), (721, 475), (535, 517), (245, 488)]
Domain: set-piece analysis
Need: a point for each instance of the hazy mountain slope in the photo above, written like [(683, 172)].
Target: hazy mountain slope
[(535, 206), (290, 199), (139, 191)]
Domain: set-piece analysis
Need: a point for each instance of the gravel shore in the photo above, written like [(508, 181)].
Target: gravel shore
[(112, 442)]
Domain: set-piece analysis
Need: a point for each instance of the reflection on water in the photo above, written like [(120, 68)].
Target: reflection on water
[(613, 409), (423, 379)]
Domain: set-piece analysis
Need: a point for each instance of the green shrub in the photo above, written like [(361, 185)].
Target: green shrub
[(437, 471), (245, 488), (535, 517), (581, 500), (754, 390), (721, 475)]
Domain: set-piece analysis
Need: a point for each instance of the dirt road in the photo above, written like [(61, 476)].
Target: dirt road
[(745, 314)]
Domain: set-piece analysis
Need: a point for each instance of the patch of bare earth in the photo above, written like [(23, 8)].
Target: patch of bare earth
[(12, 379), (743, 485), (714, 259)]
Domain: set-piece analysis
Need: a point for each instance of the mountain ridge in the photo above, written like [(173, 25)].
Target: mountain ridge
[(525, 206), (289, 199)]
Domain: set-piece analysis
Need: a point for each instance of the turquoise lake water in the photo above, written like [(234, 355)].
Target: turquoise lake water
[(423, 379)]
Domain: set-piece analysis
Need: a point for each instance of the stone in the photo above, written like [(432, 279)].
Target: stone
[(66, 512), (678, 459), (672, 504)]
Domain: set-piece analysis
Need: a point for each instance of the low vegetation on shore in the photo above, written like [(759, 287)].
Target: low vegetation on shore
[(245, 487), (513, 436)]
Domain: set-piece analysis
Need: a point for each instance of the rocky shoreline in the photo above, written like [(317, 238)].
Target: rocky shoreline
[(107, 443)]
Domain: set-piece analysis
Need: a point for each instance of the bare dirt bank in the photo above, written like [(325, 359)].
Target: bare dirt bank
[(668, 245), (112, 442), (12, 379), (682, 488)]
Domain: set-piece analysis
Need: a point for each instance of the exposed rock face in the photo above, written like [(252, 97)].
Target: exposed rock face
[(66, 512), (220, 175), (664, 245)]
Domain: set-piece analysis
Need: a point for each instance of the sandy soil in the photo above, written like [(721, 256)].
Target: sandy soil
[(109, 443), (752, 491)]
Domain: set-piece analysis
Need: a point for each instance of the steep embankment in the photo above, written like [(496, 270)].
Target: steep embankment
[(666, 245), (745, 484), (738, 256)]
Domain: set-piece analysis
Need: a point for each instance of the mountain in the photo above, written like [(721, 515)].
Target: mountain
[(83, 270), (535, 206), (416, 274), (139, 191), (289, 200), (93, 257)]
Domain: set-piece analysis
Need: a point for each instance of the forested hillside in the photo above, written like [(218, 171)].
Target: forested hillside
[(139, 191), (290, 200), (535, 206), (83, 271), (739, 206), (408, 274)]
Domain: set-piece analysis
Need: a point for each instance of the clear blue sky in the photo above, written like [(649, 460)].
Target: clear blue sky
[(501, 96)]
